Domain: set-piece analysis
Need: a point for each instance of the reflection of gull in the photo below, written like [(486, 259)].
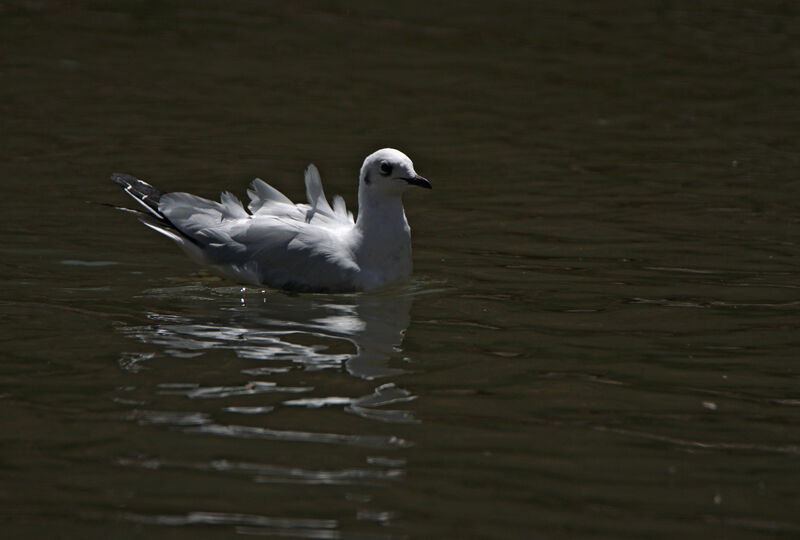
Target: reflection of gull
[(374, 325), (279, 336)]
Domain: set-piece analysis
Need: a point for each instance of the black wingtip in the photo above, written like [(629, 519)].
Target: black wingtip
[(137, 188), (144, 193), (123, 180)]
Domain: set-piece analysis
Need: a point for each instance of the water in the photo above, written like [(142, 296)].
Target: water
[(600, 339)]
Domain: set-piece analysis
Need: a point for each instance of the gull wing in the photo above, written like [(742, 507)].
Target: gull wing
[(281, 244), (278, 243), (297, 255)]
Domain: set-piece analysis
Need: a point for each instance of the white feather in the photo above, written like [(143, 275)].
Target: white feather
[(262, 195)]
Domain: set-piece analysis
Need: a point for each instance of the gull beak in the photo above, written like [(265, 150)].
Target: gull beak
[(419, 181)]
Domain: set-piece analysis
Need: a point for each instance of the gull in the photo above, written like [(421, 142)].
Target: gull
[(312, 247)]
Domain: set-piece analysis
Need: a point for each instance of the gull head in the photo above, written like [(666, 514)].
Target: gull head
[(390, 172)]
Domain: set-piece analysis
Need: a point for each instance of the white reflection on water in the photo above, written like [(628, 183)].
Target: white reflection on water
[(269, 473), (277, 335), (251, 432), (275, 327), (248, 524), (364, 406), (359, 333)]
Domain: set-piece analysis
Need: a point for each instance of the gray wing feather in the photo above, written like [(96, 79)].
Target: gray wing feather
[(302, 246)]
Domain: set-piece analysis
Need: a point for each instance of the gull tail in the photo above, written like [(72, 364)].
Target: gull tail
[(149, 197)]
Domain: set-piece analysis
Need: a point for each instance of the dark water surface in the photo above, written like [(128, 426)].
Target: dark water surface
[(601, 336)]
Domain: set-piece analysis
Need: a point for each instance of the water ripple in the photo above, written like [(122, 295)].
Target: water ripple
[(251, 432), (365, 406), (296, 527), (175, 418), (791, 449), (249, 410), (371, 326), (266, 473), (249, 389)]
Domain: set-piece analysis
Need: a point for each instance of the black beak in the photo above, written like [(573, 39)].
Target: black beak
[(419, 181)]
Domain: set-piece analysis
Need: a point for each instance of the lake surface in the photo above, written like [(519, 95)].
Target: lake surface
[(600, 339)]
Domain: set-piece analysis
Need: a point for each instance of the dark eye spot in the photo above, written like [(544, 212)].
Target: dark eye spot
[(385, 167)]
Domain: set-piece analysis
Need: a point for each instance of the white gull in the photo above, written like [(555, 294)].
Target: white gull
[(305, 247)]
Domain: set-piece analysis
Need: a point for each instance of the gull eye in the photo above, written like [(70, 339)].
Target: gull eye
[(385, 167)]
